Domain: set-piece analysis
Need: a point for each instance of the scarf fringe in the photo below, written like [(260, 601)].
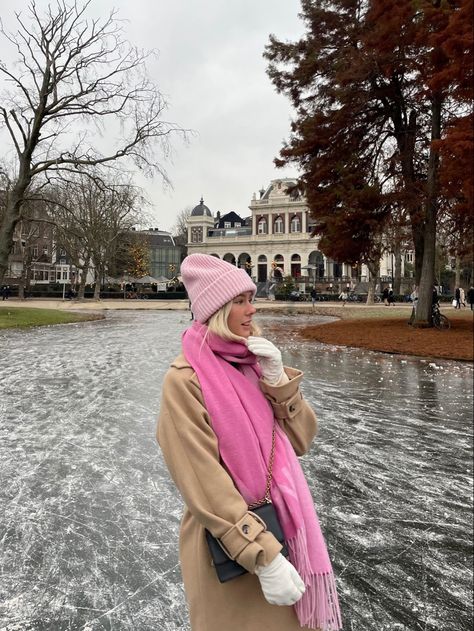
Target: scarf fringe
[(319, 606)]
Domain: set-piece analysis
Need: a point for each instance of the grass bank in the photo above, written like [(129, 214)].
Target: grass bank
[(386, 330), (21, 317)]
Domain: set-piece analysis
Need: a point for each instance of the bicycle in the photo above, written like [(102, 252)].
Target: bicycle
[(440, 321)]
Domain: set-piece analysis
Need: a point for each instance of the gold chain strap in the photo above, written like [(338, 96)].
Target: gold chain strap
[(267, 498)]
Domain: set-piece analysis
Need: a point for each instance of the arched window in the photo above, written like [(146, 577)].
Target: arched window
[(262, 226), (230, 258), (296, 265), (295, 225), (278, 226), (278, 266), (316, 265)]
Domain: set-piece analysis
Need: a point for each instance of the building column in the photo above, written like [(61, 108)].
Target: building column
[(328, 267), (254, 223), (270, 223), (304, 221), (287, 222)]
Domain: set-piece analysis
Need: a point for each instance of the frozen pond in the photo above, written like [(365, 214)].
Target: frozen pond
[(89, 518)]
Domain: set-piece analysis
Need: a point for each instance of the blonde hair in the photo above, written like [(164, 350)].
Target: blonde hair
[(217, 323)]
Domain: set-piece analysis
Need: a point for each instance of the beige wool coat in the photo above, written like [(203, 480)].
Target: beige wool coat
[(190, 449)]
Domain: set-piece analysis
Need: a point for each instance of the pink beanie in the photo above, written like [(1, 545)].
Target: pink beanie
[(211, 283)]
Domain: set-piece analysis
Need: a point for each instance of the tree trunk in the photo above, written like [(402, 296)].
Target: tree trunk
[(418, 234), (457, 272), (97, 290), (374, 269), (397, 281), (406, 134), (97, 284), (82, 284), (425, 288), (21, 286), (9, 221)]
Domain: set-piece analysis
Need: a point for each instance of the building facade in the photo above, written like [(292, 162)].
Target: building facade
[(164, 255), (275, 241)]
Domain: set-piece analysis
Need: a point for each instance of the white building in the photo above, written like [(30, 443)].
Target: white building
[(276, 235)]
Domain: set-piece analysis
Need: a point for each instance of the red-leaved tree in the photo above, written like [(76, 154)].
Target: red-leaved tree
[(365, 82)]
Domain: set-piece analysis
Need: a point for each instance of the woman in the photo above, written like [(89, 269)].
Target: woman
[(227, 404)]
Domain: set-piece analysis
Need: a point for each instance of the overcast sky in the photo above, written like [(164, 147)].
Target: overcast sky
[(211, 70)]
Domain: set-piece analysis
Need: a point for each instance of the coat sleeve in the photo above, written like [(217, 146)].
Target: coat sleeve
[(295, 416), (190, 450)]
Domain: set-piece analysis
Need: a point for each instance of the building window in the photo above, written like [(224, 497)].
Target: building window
[(237, 224), (296, 266), (62, 252), (34, 251), (262, 226), (45, 250), (278, 226), (196, 235), (295, 224), (227, 224)]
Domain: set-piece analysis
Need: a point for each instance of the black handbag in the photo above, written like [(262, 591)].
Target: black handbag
[(264, 512)]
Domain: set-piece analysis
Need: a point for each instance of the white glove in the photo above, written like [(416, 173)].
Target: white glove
[(269, 358), (281, 583)]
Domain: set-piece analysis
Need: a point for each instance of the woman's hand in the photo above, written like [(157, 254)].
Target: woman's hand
[(281, 584), (269, 358)]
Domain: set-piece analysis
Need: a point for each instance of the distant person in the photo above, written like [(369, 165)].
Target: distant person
[(385, 296), (457, 298), (414, 300), (434, 296), (470, 296), (343, 296), (314, 295), (391, 297), (5, 292), (462, 297)]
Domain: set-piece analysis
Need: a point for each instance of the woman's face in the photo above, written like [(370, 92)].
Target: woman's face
[(241, 313)]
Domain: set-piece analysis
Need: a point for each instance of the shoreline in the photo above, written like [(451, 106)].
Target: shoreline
[(372, 327)]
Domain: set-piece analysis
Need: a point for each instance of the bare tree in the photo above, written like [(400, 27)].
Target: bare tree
[(74, 76), (91, 219), (32, 249), (180, 228)]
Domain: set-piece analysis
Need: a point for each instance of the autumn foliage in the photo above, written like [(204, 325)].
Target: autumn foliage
[(382, 92)]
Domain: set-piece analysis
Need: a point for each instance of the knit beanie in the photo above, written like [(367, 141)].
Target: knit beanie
[(211, 283)]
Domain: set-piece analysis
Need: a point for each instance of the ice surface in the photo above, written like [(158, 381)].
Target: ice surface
[(89, 518)]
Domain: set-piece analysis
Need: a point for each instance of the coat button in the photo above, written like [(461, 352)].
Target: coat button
[(245, 529)]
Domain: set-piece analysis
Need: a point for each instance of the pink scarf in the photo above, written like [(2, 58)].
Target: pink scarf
[(243, 419)]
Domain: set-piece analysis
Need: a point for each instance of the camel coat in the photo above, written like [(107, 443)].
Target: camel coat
[(191, 452)]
